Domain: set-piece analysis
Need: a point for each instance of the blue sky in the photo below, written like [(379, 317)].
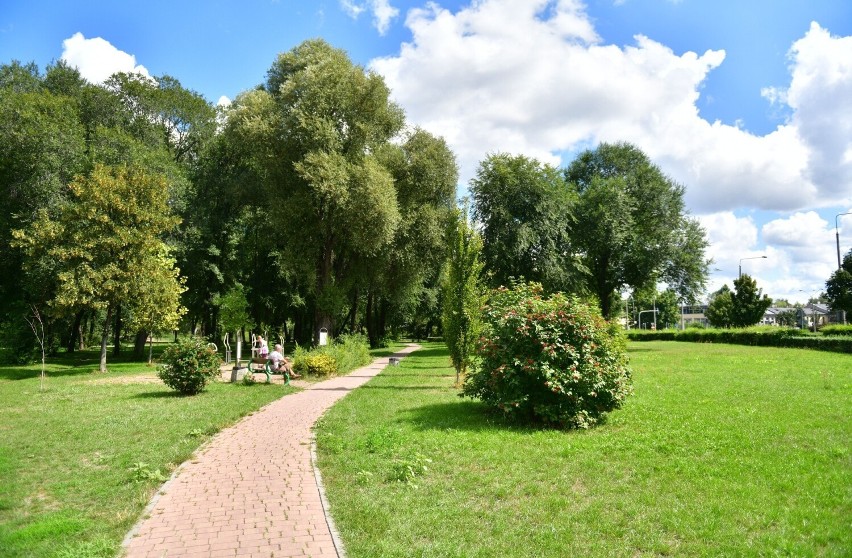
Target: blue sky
[(746, 103)]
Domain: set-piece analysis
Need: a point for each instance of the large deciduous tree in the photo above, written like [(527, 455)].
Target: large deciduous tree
[(748, 304), (525, 213), (42, 147), (631, 226), (838, 288), (318, 126), (403, 280), (104, 242), (720, 310)]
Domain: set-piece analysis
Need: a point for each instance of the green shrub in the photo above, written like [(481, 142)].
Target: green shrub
[(345, 354), (837, 329), (555, 361), (350, 351), (315, 364), (188, 365)]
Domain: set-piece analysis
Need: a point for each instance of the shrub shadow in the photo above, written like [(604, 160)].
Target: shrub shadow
[(469, 416), (159, 395)]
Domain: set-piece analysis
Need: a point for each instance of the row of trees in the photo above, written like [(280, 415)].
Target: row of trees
[(307, 204), (611, 222)]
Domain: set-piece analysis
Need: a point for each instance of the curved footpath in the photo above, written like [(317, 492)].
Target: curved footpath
[(252, 490)]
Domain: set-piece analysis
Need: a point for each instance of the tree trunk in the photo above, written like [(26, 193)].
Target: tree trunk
[(368, 318), (353, 313), (323, 318), (116, 340), (76, 332), (105, 337), (151, 350), (81, 333), (139, 345), (383, 314)]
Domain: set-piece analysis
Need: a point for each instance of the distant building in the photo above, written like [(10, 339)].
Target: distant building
[(694, 314), (805, 315), (815, 312)]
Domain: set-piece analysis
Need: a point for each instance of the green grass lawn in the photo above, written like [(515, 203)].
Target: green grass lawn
[(80, 460), (723, 451)]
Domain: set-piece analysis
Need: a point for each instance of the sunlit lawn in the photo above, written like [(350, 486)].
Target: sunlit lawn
[(80, 460), (723, 451)]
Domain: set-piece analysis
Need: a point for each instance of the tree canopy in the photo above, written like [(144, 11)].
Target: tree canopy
[(744, 306), (748, 303), (104, 244), (838, 288), (632, 229), (309, 203), (358, 212), (526, 215)]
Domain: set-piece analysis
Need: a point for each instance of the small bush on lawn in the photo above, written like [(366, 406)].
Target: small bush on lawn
[(188, 365), (553, 360), (315, 364)]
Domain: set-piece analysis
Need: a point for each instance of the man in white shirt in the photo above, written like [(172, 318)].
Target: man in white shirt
[(280, 362)]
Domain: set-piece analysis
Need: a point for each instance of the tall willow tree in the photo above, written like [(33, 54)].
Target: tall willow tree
[(403, 280), (316, 129)]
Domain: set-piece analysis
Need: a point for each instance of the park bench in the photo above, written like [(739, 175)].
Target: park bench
[(264, 366)]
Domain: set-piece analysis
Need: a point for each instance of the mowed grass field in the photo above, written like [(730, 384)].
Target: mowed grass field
[(723, 450), (80, 460)]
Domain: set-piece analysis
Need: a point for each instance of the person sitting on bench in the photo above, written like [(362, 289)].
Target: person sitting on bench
[(280, 362)]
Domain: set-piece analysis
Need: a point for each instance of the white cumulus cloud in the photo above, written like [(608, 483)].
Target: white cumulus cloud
[(820, 94), (534, 77), (97, 59), (383, 12)]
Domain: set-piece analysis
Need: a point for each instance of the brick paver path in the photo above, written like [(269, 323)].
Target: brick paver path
[(251, 491)]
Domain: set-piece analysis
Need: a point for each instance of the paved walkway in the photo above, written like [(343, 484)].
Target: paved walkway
[(252, 490)]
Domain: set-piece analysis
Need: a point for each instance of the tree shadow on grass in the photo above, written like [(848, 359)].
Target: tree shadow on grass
[(431, 352), (470, 416), (406, 365), (26, 373)]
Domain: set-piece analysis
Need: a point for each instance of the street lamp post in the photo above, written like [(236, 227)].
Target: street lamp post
[(837, 235), (740, 274), (813, 307), (839, 265)]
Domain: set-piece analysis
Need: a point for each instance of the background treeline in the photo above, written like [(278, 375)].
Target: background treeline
[(136, 206)]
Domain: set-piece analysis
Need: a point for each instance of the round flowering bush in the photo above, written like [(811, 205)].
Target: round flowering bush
[(187, 366), (552, 360)]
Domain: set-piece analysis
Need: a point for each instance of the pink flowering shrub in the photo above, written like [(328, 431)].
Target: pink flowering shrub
[(552, 360)]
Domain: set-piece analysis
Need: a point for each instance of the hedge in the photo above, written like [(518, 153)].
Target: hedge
[(764, 336)]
